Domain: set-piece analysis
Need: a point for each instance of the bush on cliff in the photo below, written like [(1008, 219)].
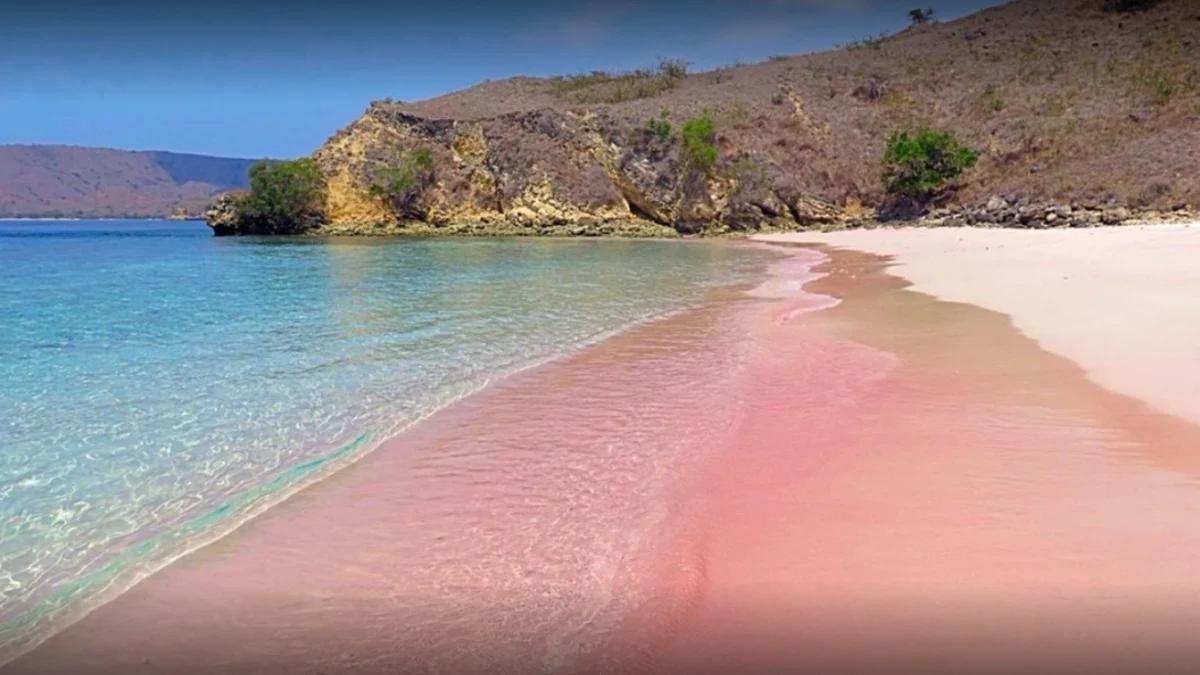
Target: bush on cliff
[(660, 126), (915, 165), (285, 197), (696, 136), (917, 170), (697, 157), (401, 186)]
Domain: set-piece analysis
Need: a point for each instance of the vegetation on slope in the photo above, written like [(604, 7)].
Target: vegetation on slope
[(1064, 111), (401, 186), (604, 87), (915, 165), (285, 197), (696, 138), (1094, 101)]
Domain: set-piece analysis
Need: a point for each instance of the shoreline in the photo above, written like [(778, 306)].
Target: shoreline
[(641, 229), (969, 503), (840, 473), (131, 567), (398, 451), (1056, 288), (634, 228)]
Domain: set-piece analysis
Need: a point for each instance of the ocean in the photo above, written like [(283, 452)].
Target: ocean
[(161, 385)]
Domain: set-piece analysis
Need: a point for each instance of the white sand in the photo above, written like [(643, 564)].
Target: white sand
[(1122, 302)]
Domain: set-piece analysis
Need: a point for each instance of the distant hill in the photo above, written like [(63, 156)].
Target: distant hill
[(73, 181)]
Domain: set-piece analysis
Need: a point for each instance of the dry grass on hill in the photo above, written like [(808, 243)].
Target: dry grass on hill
[(1065, 99)]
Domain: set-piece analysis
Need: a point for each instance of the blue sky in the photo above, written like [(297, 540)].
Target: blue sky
[(259, 79)]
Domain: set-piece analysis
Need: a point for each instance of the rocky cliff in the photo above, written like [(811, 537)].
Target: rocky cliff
[(548, 171), (1082, 114)]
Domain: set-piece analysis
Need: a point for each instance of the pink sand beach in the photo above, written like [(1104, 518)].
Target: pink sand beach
[(928, 467)]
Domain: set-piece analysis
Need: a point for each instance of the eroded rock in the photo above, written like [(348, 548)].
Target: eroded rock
[(539, 172)]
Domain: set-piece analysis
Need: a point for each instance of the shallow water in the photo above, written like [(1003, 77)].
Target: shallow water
[(770, 482), (158, 382)]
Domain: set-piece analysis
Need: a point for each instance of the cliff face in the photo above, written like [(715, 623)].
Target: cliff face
[(1074, 109), (548, 171)]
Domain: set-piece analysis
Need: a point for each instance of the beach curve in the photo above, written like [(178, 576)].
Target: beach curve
[(764, 484), (1119, 301)]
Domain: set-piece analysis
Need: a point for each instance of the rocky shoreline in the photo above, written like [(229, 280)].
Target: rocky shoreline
[(641, 229), (1012, 211), (1009, 212), (581, 174)]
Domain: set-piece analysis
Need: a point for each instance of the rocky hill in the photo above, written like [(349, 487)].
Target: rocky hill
[(71, 181), (1083, 111)]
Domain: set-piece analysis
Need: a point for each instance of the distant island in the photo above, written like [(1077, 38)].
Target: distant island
[(1056, 112), (61, 181)]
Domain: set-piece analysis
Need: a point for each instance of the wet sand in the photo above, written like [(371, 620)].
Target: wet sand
[(856, 477), (968, 503)]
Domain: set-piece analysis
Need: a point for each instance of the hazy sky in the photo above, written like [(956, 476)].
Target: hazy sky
[(257, 79)]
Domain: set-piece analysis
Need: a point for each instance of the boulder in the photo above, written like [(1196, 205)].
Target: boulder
[(222, 215)]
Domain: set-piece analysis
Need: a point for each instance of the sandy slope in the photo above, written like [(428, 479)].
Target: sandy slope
[(1123, 303)]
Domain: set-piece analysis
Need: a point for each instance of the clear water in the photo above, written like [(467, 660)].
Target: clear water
[(156, 382)]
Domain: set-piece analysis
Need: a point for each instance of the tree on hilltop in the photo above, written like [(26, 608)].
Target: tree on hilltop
[(921, 16)]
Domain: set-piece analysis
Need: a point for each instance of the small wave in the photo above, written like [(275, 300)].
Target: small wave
[(27, 630), (74, 600)]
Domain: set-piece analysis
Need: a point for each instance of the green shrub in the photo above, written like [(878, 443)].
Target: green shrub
[(402, 185), (777, 98), (284, 196), (917, 164), (659, 126), (696, 138), (422, 157)]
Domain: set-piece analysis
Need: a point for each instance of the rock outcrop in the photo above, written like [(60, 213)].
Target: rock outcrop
[(222, 216), (543, 172)]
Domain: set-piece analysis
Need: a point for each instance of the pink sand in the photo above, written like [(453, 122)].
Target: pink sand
[(777, 482), (1118, 301), (959, 502)]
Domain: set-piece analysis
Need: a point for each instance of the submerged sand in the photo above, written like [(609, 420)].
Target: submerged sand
[(1122, 302)]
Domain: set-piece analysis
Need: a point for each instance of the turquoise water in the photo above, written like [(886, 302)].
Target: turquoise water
[(158, 382)]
